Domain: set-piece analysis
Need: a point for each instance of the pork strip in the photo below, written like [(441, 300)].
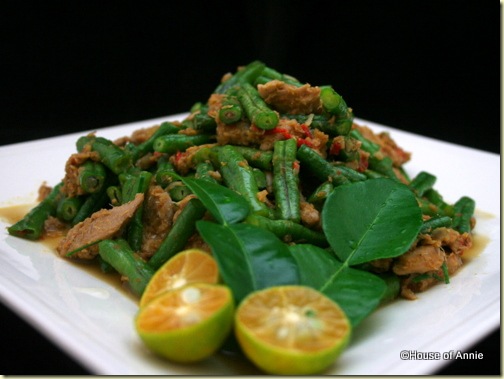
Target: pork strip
[(103, 224)]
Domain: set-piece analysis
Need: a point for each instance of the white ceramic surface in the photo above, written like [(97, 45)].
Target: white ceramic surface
[(92, 320)]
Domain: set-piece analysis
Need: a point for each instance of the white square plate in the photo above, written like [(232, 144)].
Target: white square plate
[(92, 320)]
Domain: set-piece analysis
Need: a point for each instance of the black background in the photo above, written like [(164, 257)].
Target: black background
[(428, 67)]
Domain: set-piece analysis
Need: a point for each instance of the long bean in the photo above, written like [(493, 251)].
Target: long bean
[(435, 198), (247, 74), (379, 164), (200, 121), (31, 226), (334, 104), (111, 155), (178, 190), (463, 212), (322, 122), (171, 143), (148, 145), (286, 180), (269, 74), (91, 204), (183, 228), (312, 162), (255, 108), (122, 258), (203, 170), (132, 185), (288, 230), (92, 176), (238, 176), (422, 182), (165, 171), (68, 207), (114, 193), (350, 173), (231, 110), (436, 222), (261, 159), (320, 194)]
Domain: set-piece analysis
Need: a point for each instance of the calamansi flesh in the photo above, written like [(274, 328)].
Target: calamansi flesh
[(291, 330), (188, 323), (187, 266)]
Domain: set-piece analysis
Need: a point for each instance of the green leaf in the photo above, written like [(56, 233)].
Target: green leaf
[(372, 219), (357, 292), (249, 258), (225, 205)]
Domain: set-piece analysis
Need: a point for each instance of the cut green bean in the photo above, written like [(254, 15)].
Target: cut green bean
[(172, 143), (289, 231), (379, 164), (165, 172), (446, 274), (366, 145), (247, 74), (114, 193), (238, 175), (92, 176), (383, 165), (268, 74), (122, 258), (319, 121), (435, 198), (320, 194), (346, 148), (261, 179), (111, 155), (92, 203), (148, 145), (178, 191), (312, 162), (255, 108), (422, 182), (351, 174), (334, 104), (261, 159), (200, 121), (286, 180), (203, 170), (428, 208), (231, 110), (183, 228), (132, 185), (207, 154), (436, 222), (463, 212), (372, 174), (68, 207), (31, 226), (198, 106)]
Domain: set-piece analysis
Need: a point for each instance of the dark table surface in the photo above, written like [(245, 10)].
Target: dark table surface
[(431, 68)]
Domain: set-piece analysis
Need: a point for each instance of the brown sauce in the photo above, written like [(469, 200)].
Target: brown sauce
[(479, 243), (14, 213)]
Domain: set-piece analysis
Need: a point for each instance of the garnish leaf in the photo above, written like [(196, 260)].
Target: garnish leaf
[(225, 205), (372, 219), (357, 292), (249, 258)]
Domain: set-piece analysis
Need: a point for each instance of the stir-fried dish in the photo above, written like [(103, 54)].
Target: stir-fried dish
[(274, 178)]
